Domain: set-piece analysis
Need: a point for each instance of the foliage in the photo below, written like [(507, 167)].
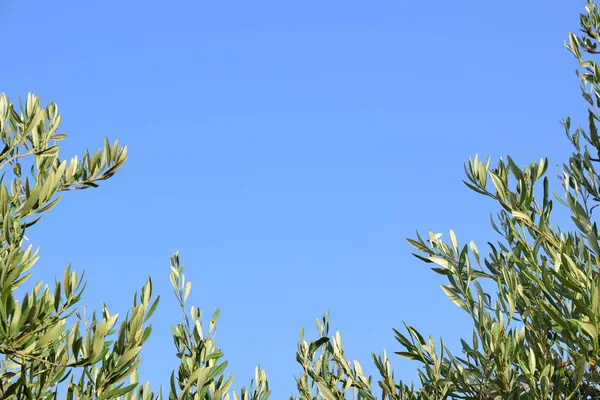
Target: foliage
[(535, 336), (43, 354)]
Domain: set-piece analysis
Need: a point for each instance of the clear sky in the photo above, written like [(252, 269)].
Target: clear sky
[(287, 149)]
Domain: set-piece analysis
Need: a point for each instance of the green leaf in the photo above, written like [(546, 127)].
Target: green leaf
[(440, 261), (314, 346), (521, 216), (51, 335), (579, 370), (50, 151), (454, 297), (116, 392), (199, 376), (589, 328), (152, 309), (325, 392), (217, 370)]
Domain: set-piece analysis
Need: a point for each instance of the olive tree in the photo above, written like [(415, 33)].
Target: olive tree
[(46, 344), (536, 334)]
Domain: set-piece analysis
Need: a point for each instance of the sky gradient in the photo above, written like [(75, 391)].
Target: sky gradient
[(287, 149)]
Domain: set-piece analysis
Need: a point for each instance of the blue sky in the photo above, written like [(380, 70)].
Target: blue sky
[(287, 149)]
